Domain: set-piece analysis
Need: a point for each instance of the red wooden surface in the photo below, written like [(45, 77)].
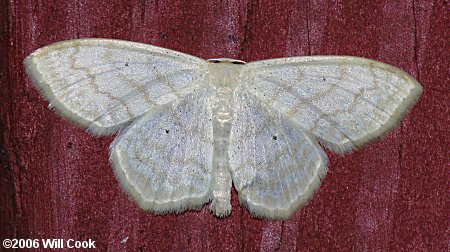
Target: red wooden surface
[(56, 181)]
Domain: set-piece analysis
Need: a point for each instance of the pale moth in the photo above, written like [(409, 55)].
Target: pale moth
[(193, 127)]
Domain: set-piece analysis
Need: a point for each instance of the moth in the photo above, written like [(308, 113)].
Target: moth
[(191, 128)]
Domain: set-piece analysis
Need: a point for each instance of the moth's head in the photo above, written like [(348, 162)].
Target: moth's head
[(226, 61)]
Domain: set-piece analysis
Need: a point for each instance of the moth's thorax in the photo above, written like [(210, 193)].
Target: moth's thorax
[(224, 80)]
